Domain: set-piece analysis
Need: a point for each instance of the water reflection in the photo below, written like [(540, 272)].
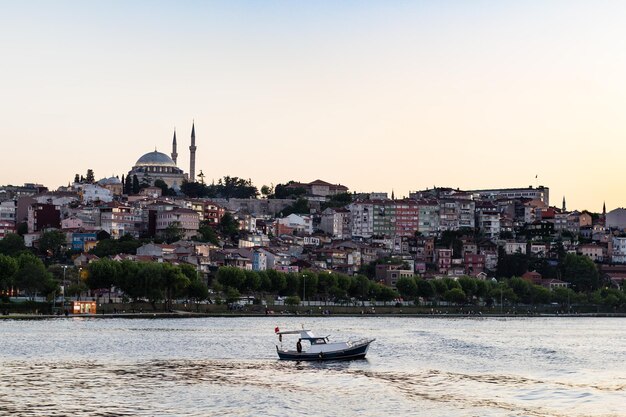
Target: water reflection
[(202, 367)]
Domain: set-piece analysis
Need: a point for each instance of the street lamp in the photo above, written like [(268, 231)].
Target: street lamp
[(495, 282), (303, 287)]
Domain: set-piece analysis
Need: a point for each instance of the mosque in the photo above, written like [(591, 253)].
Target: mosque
[(158, 166)]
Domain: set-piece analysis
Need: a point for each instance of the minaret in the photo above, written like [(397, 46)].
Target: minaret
[(174, 153), (192, 154), (564, 205)]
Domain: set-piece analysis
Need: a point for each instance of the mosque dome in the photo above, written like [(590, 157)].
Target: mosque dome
[(155, 159), (110, 181)]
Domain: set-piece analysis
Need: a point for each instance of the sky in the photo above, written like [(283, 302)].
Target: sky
[(374, 95)]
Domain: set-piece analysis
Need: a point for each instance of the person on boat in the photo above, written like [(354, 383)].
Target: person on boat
[(299, 346)]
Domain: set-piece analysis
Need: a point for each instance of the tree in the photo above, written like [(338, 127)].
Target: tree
[(266, 191), (469, 286), (76, 179), (455, 295), (282, 191), (151, 279), (337, 200), (407, 287), (232, 187), (425, 289), (197, 290), (90, 179), (12, 245), (301, 206), (252, 282), (165, 189), (229, 226), (514, 265), (128, 185), (230, 276), (581, 272), (52, 242), (128, 280), (175, 282), (194, 189), (277, 279), (384, 293), (32, 276), (135, 187), (103, 273), (173, 232), (207, 234), (8, 268), (293, 300), (360, 287)]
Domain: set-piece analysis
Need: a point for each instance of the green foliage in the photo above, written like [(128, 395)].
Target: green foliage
[(455, 295), (8, 268), (232, 295), (135, 187), (282, 191), (383, 293), (90, 179), (52, 243), (227, 187), (111, 247), (233, 187), (337, 200), (12, 245), (581, 272), (173, 232), (32, 276), (407, 287), (103, 273), (293, 283), (252, 281), (301, 206), (207, 234), (267, 191), (514, 265), (229, 226), (232, 277), (293, 300), (425, 289), (278, 280), (165, 190), (197, 291)]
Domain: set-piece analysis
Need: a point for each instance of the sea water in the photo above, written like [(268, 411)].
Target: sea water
[(224, 366)]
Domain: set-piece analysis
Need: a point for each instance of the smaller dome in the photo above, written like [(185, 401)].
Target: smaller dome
[(109, 181), (155, 159)]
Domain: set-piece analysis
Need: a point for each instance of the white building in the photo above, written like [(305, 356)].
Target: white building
[(93, 192), (336, 223), (618, 250), (303, 224), (616, 219), (362, 219)]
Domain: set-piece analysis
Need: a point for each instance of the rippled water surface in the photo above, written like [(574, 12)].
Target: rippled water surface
[(229, 367)]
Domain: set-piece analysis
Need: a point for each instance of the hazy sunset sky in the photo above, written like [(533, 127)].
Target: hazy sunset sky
[(373, 95)]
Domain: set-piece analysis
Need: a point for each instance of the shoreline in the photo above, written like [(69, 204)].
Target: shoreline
[(188, 315)]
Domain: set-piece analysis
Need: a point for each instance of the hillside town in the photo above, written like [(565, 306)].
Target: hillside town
[(435, 233), (157, 213)]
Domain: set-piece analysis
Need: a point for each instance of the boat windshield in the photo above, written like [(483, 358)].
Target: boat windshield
[(318, 341)]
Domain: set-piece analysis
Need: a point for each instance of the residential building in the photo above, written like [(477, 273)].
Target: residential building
[(185, 219), (362, 218), (617, 250), (407, 217), (540, 193)]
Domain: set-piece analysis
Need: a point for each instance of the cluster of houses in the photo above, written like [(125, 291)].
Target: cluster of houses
[(342, 239)]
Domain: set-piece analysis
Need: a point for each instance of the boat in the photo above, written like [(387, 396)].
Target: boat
[(320, 348)]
